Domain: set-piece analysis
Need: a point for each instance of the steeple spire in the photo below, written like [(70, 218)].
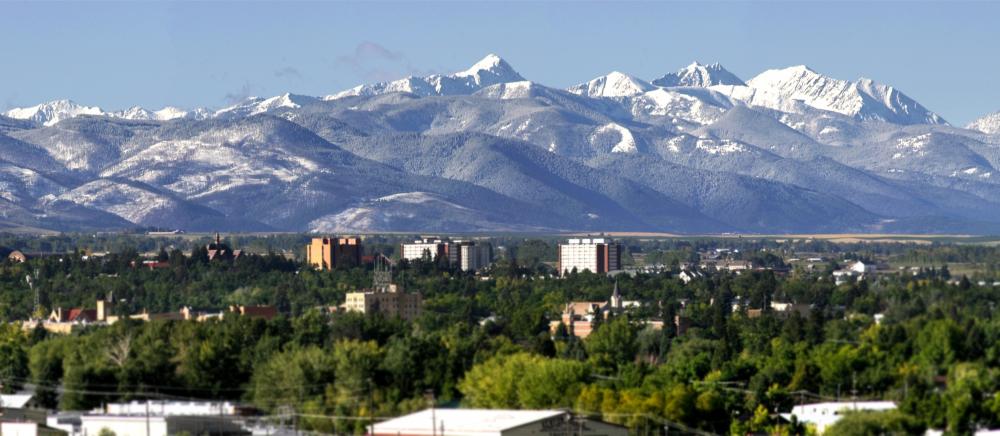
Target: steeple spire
[(616, 297)]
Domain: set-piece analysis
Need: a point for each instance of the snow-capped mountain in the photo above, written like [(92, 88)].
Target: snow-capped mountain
[(484, 149), (784, 89), (166, 114), (988, 124), (52, 112), (699, 75), (258, 105), (490, 70), (613, 84)]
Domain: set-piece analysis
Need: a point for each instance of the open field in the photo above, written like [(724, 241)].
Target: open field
[(832, 237)]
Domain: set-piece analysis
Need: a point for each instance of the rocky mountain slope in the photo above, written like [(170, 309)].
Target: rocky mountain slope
[(484, 149)]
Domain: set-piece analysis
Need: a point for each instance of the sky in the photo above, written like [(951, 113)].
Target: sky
[(191, 54)]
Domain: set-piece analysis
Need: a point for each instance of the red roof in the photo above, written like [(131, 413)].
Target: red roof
[(78, 314)]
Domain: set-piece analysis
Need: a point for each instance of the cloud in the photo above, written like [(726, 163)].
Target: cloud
[(367, 52), (289, 72), (239, 95), (374, 62)]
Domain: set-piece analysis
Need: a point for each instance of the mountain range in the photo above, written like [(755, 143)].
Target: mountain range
[(698, 150)]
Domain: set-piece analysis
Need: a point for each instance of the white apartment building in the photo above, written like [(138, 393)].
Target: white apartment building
[(597, 255), (430, 247), (467, 255)]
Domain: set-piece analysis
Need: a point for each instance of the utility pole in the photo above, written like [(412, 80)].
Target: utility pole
[(430, 398), (1, 409), (147, 417), (371, 410)]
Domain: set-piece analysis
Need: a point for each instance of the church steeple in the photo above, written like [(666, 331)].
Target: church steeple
[(616, 297)]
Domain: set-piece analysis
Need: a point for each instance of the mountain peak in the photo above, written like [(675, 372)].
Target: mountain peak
[(699, 75), (52, 112), (490, 70), (489, 62), (862, 99), (613, 84), (989, 124)]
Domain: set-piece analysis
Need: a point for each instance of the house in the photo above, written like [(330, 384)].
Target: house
[(19, 417), (842, 276), (823, 415), (218, 250), (860, 267), (494, 422), (788, 308), (687, 276), (76, 315)]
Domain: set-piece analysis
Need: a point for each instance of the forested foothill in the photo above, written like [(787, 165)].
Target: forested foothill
[(917, 333)]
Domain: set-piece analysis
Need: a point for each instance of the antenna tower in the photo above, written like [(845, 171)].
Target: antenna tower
[(383, 274)]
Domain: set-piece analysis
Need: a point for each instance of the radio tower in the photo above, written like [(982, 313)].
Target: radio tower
[(383, 275)]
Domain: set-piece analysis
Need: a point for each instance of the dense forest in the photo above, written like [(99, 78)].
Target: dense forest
[(484, 341)]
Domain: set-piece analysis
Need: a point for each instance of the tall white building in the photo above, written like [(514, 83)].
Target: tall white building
[(430, 247), (467, 255), (597, 255)]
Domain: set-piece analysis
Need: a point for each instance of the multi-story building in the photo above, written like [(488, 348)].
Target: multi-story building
[(467, 255), (330, 253), (597, 255), (473, 256), (391, 303), (432, 248)]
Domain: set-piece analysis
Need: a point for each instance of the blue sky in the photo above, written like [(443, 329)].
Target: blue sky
[(189, 54)]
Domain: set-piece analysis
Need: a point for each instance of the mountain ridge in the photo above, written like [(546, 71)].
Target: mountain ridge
[(484, 149)]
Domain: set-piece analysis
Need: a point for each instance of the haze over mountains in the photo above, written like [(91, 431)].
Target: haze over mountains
[(485, 149)]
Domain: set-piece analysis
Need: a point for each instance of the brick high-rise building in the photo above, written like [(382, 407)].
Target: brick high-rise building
[(598, 255), (330, 253)]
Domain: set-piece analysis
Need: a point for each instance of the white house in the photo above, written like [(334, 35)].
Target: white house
[(687, 276), (861, 267), (823, 415)]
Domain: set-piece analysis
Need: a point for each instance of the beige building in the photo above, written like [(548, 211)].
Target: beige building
[(330, 253), (579, 316), (597, 255), (391, 303)]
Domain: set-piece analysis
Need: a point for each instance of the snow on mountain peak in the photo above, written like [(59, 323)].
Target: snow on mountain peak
[(258, 105), (699, 75), (613, 84), (989, 124), (52, 112), (490, 70), (784, 88)]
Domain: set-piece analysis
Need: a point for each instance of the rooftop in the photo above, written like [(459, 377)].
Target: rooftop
[(457, 422)]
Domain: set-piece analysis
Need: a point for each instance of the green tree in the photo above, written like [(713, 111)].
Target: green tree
[(871, 423)]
